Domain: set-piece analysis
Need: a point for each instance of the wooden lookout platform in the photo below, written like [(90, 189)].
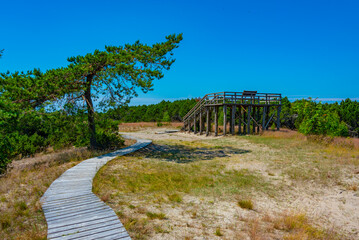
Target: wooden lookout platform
[(247, 111)]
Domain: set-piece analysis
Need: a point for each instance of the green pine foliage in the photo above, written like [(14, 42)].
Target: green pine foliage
[(116, 74), (55, 108)]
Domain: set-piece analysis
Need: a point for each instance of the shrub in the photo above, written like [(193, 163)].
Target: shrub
[(322, 121), (24, 134), (246, 204), (108, 140)]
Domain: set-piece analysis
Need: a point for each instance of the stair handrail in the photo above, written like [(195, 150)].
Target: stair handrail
[(194, 108)]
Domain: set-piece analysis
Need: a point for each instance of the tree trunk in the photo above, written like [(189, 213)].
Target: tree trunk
[(90, 113)]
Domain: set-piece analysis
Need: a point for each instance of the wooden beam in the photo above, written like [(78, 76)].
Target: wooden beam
[(268, 110), (216, 120), (239, 121), (258, 125), (194, 124), (244, 120), (200, 123), (208, 122), (249, 119), (229, 120), (264, 118), (203, 120), (224, 119), (254, 122), (233, 119), (267, 124)]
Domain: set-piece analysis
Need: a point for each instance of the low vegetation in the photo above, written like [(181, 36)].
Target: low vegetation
[(325, 160), (23, 135), (24, 184), (20, 192), (246, 204), (233, 187)]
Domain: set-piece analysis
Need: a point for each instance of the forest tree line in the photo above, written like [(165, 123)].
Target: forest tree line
[(305, 115)]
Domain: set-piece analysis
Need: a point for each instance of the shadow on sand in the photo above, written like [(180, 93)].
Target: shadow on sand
[(186, 154)]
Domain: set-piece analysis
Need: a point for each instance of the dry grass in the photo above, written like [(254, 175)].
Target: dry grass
[(20, 192), (131, 127), (159, 182), (323, 160), (55, 158), (22, 187), (205, 187), (166, 181), (288, 226), (339, 143), (298, 226)]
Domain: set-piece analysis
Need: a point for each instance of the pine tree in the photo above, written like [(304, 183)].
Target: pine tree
[(113, 75)]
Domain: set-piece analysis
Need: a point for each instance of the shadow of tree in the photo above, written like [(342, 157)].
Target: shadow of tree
[(186, 154)]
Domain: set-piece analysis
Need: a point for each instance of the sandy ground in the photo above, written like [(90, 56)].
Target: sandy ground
[(331, 207)]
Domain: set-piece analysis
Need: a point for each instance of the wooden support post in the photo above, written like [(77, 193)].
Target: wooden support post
[(257, 119), (233, 119), (203, 121), (249, 119), (244, 120), (229, 120), (200, 123), (278, 117), (189, 125), (254, 118), (240, 120), (208, 122), (268, 110), (264, 118), (194, 124), (224, 119), (216, 120)]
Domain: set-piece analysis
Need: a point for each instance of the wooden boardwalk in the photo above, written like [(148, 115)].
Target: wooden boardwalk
[(72, 211)]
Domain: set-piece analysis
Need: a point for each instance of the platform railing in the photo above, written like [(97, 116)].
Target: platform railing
[(243, 98)]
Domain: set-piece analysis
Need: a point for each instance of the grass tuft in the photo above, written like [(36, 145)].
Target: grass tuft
[(152, 215), (246, 204), (175, 198), (218, 232)]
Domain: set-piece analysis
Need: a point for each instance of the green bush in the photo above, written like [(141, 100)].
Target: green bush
[(5, 152), (108, 140), (24, 134), (320, 121)]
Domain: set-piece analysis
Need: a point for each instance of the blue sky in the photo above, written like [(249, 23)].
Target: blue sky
[(297, 48)]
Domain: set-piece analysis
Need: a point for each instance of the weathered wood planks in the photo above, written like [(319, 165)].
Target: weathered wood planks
[(72, 211)]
